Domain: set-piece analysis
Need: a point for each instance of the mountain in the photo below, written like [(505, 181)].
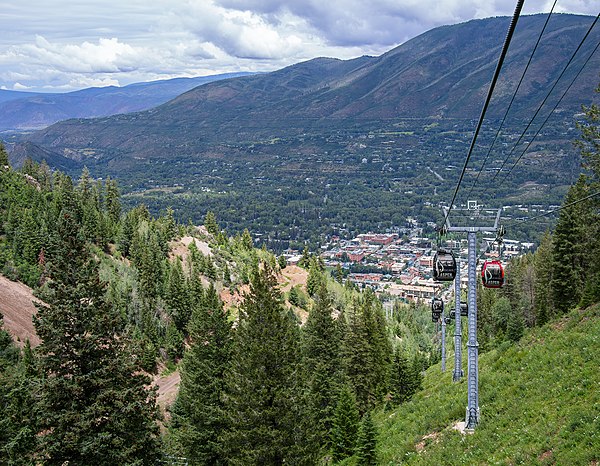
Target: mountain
[(537, 399), (6, 95), (26, 110), (302, 150), (442, 73)]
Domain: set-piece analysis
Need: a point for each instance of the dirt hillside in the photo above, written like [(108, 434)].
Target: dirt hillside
[(16, 305)]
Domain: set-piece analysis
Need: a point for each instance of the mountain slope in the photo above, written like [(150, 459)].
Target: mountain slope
[(24, 110), (443, 72), (16, 305), (539, 401)]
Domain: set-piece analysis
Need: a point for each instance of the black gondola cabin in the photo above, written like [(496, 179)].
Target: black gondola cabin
[(444, 266)]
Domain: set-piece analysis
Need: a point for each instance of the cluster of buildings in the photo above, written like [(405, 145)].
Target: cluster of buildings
[(401, 267)]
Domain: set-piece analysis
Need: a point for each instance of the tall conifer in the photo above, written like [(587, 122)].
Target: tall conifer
[(322, 364), (345, 425), (94, 407), (263, 401), (198, 413)]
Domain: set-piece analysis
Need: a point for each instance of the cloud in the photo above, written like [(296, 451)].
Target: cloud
[(20, 87), (110, 42), (106, 56)]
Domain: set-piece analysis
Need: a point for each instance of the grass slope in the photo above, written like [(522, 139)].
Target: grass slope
[(539, 400)]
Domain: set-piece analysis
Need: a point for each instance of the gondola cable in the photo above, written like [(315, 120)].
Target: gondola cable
[(548, 117), (548, 95), (597, 193), (511, 30), (512, 99)]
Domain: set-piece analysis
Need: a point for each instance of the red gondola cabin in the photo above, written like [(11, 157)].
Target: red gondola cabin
[(492, 274)]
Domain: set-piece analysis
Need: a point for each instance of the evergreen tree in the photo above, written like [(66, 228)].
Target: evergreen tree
[(543, 279), (264, 402), (304, 261), (322, 365), (367, 442), (416, 375), (177, 296), (282, 262), (515, 326), (18, 439), (368, 352), (210, 223), (314, 280), (247, 243), (339, 274), (402, 383), (345, 425), (113, 200), (566, 283), (198, 413), (94, 407)]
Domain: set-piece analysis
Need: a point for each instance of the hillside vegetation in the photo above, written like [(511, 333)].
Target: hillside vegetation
[(539, 400)]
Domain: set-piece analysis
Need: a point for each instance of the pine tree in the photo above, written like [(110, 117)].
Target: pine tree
[(18, 419), (304, 261), (367, 442), (4, 163), (247, 243), (401, 381), (345, 425), (282, 262), (567, 286), (515, 326), (198, 413), (339, 274), (416, 375), (210, 223), (368, 352), (264, 402), (543, 278), (177, 296), (322, 365), (314, 280), (94, 407), (113, 200)]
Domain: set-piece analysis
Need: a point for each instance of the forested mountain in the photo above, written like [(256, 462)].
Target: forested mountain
[(305, 151), (121, 295), (27, 110), (316, 374)]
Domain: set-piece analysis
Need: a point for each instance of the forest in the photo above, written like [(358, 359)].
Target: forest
[(293, 377)]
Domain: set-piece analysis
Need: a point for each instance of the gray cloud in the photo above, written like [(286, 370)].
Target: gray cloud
[(62, 45)]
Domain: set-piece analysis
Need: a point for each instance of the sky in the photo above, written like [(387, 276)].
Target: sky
[(61, 45)]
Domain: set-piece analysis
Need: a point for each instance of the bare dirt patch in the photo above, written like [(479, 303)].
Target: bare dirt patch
[(427, 440), (168, 386), (291, 276), (16, 305), (179, 248), (235, 298)]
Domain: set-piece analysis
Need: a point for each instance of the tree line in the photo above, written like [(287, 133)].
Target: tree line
[(257, 386)]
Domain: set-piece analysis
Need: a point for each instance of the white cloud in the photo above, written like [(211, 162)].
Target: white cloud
[(66, 45)]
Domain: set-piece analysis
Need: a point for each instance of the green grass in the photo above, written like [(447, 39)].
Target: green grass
[(539, 400)]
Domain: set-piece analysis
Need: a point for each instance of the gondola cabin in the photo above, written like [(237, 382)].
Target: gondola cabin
[(437, 308), (444, 266), (492, 274)]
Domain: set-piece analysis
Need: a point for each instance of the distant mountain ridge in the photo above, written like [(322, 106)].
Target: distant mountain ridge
[(443, 73), (27, 110)]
